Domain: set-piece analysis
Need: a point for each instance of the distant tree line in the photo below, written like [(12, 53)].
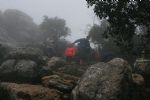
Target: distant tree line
[(129, 23), (18, 27)]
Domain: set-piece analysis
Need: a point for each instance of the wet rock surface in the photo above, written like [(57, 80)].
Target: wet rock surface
[(59, 83), (13, 91), (104, 81), (7, 68), (22, 65), (4, 50), (19, 71), (58, 80), (138, 79), (142, 66), (34, 54), (55, 63)]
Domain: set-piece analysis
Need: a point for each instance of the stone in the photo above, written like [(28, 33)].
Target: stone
[(138, 79), (142, 66), (34, 54), (13, 91), (55, 63), (26, 70), (19, 71), (59, 83), (7, 70), (104, 81)]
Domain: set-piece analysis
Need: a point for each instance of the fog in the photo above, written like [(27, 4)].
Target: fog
[(78, 17)]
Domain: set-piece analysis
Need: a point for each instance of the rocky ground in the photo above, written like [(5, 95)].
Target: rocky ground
[(26, 74)]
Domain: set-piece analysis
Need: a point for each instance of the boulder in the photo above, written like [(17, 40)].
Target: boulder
[(19, 71), (34, 54), (73, 69), (26, 70), (142, 66), (3, 52), (137, 90), (58, 64), (45, 71), (13, 91), (55, 63), (104, 81), (7, 70), (59, 83)]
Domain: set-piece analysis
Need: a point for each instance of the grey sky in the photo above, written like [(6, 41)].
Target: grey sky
[(75, 12)]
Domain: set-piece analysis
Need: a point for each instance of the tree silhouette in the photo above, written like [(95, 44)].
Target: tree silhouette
[(124, 16)]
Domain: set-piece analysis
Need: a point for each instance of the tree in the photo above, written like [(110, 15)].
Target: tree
[(108, 47), (96, 32), (124, 16), (54, 28)]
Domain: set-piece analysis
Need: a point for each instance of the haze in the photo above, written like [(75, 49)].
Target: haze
[(75, 12)]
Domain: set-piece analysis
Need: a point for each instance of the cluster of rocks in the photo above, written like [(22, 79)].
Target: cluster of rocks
[(22, 65), (26, 75), (111, 81)]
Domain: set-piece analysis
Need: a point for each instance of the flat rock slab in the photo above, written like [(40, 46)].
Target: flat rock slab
[(59, 83), (13, 91)]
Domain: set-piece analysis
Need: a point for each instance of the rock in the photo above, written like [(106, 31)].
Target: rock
[(138, 79), (7, 70), (45, 71), (13, 91), (55, 63), (67, 77), (142, 66), (3, 52), (75, 70), (59, 83), (19, 71), (34, 54), (137, 90), (104, 81), (26, 70)]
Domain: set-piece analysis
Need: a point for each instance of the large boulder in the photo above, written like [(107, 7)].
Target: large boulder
[(13, 91), (58, 64), (75, 70), (19, 71), (7, 70), (26, 70), (4, 49), (104, 81), (34, 54), (138, 79), (52, 64), (61, 82)]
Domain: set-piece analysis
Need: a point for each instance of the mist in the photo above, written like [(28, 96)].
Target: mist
[(78, 17)]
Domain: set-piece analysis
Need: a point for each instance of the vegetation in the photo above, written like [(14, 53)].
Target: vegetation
[(54, 30), (124, 16), (18, 28), (106, 45)]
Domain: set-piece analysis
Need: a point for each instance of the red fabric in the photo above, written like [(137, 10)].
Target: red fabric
[(70, 51)]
